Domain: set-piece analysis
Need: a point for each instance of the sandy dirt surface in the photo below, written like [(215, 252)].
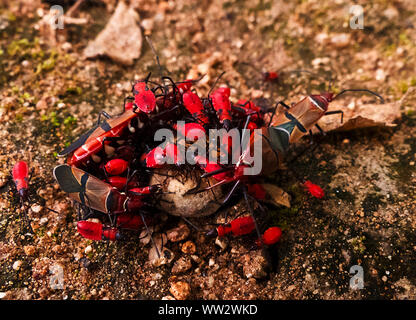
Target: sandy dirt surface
[(50, 94)]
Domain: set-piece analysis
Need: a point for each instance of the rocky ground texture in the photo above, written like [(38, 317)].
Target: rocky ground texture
[(51, 93)]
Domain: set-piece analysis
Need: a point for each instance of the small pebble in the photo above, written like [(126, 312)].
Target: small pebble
[(17, 264), (168, 298), (66, 46), (380, 75), (203, 68), (182, 265), (255, 94), (88, 250), (180, 290), (147, 24), (179, 233), (255, 266), (391, 13), (77, 256), (320, 61), (291, 288), (29, 250), (196, 258), (351, 105), (322, 38), (2, 295), (221, 242), (43, 293), (36, 208), (57, 248), (166, 256), (188, 247), (340, 40)]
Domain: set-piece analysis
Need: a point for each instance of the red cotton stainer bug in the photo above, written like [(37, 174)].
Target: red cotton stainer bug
[(194, 105), (314, 189), (98, 195), (97, 231), (286, 128), (20, 175), (95, 140), (243, 226), (221, 103), (270, 76), (21, 179)]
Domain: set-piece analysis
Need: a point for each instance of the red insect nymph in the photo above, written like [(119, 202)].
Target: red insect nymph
[(21, 177), (314, 189)]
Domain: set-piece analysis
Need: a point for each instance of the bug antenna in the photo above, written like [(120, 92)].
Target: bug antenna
[(360, 90), (330, 82), (198, 79), (313, 74), (215, 83), (304, 71), (157, 58), (147, 77)]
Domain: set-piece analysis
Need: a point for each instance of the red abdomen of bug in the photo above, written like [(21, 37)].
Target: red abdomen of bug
[(194, 105), (222, 105), (238, 227), (116, 167), (272, 236), (314, 189), (20, 177), (96, 231)]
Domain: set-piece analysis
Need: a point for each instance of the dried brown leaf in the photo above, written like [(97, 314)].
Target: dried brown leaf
[(358, 116), (277, 195)]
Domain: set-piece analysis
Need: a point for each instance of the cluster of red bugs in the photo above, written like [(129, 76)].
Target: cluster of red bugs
[(109, 167)]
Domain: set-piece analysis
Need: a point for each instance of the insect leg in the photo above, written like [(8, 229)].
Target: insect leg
[(275, 108), (148, 231), (336, 112), (190, 223), (250, 208)]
